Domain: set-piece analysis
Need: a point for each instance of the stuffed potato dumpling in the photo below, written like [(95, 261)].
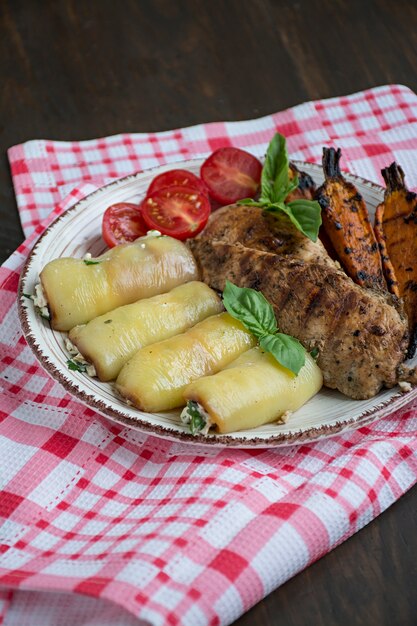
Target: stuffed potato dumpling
[(253, 390), (155, 378), (78, 290), (110, 340)]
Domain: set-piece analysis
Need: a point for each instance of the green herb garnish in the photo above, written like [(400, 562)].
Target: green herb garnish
[(197, 421), (255, 312), (76, 367), (90, 262), (275, 187), (108, 321), (315, 353), (27, 295)]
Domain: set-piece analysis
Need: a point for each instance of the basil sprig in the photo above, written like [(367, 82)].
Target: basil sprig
[(255, 312), (275, 187)]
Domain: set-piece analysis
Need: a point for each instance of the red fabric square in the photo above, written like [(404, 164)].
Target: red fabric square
[(19, 167), (42, 523), (92, 586), (405, 452), (9, 503), (283, 510), (376, 149), (331, 492), (230, 564), (15, 578), (60, 445), (164, 578), (180, 542), (83, 483), (288, 129), (111, 494), (218, 142), (141, 598)]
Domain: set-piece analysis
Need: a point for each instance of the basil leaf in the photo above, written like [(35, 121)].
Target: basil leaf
[(255, 312), (89, 262), (275, 187), (76, 367), (308, 215), (251, 308), (292, 184), (274, 178), (304, 214), (249, 201), (287, 350)]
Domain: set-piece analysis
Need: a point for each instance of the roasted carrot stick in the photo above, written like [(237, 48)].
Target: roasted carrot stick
[(306, 187), (346, 222), (396, 230), (387, 266)]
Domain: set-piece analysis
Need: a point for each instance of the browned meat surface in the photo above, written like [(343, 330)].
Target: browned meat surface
[(362, 338), (254, 228)]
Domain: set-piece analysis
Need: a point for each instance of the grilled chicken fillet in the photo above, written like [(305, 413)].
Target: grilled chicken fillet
[(254, 228), (361, 336)]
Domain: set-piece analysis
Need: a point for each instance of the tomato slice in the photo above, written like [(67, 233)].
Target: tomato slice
[(176, 178), (231, 174), (122, 223), (180, 212)]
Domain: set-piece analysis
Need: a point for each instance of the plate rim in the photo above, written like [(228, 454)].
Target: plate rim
[(296, 437)]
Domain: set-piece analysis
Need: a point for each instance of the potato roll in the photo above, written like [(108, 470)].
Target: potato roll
[(253, 390), (155, 377), (78, 290), (110, 340)]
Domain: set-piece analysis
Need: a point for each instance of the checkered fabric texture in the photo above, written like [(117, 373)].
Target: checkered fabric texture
[(172, 533)]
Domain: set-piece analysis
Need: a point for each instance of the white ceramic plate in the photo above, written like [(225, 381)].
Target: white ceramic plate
[(79, 231)]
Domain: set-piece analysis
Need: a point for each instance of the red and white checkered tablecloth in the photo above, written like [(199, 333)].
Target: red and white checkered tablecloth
[(176, 534)]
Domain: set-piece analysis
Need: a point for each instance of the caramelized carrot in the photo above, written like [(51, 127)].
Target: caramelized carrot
[(396, 228), (387, 266), (306, 187), (346, 222)]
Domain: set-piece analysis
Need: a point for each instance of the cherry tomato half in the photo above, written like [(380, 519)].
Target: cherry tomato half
[(176, 178), (180, 212), (231, 174), (122, 223)]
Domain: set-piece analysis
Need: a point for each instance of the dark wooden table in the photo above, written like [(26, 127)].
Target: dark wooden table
[(77, 70)]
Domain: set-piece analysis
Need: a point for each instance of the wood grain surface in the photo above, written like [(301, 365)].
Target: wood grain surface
[(74, 69)]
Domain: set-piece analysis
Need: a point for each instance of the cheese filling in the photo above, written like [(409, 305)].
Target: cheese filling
[(40, 302), (194, 415), (78, 358)]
